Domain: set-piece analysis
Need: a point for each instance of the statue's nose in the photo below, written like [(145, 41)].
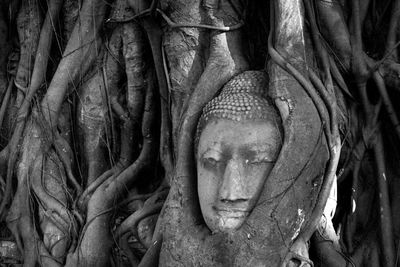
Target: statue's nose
[(233, 188)]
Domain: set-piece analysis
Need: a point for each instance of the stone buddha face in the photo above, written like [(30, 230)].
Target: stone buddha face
[(234, 159), (239, 143)]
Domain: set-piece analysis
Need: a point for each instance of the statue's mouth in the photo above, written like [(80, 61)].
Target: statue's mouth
[(231, 212)]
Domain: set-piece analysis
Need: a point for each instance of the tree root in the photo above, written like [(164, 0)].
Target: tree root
[(5, 45), (20, 218), (29, 21), (39, 70), (133, 52), (4, 103), (387, 102), (154, 34), (323, 97), (124, 246), (64, 153), (151, 206), (151, 257), (359, 66), (82, 44), (96, 229)]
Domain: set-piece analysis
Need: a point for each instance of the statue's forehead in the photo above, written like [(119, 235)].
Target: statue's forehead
[(247, 135)]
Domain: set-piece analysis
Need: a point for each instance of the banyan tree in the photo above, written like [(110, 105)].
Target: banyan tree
[(199, 133)]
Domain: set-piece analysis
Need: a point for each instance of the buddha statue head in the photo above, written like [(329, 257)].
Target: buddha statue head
[(238, 140)]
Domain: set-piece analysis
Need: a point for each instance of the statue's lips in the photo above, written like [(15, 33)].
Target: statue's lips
[(231, 212)]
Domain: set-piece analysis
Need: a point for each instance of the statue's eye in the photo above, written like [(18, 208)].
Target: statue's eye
[(254, 162), (259, 161), (210, 161)]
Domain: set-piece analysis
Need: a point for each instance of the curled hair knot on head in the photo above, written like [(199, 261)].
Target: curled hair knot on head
[(243, 98)]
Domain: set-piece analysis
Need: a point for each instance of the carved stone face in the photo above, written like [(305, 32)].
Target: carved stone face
[(233, 161)]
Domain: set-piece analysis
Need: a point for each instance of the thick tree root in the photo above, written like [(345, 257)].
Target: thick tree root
[(152, 206), (96, 229)]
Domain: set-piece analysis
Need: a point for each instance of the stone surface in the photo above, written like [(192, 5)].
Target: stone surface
[(233, 162)]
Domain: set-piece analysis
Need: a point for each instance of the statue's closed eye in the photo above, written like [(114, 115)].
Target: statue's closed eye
[(211, 158), (256, 162), (259, 160), (210, 162)]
